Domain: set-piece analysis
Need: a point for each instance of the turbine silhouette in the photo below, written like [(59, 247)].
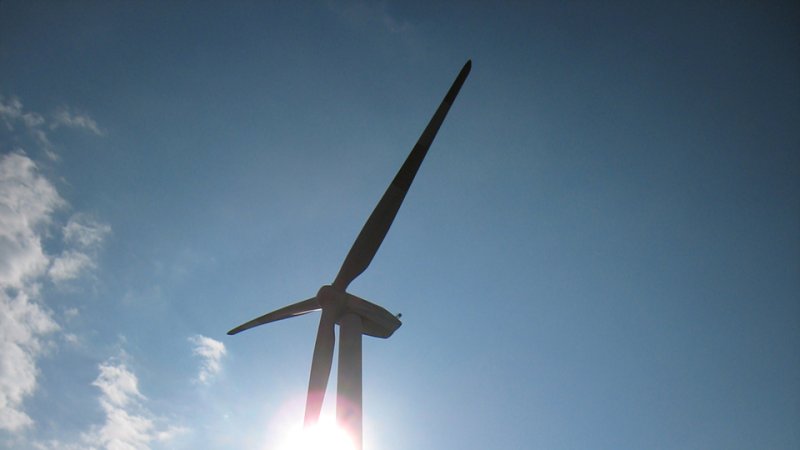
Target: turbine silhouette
[(356, 316)]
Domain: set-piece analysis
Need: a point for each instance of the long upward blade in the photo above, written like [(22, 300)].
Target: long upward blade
[(297, 309), (371, 236), (320, 366)]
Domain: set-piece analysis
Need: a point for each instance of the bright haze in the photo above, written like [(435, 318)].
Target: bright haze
[(600, 251)]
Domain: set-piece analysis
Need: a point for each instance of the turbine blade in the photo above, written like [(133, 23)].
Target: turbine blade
[(371, 236), (297, 309), (320, 366)]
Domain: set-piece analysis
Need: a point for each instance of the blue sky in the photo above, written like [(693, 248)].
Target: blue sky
[(601, 250)]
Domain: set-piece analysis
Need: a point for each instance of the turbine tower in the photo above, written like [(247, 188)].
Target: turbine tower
[(354, 315)]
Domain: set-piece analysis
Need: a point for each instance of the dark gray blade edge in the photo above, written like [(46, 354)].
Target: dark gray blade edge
[(374, 231), (297, 309), (320, 367)]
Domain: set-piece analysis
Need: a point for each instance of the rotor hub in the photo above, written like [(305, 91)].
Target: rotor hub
[(331, 298)]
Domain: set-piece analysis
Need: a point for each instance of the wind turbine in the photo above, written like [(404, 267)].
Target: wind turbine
[(354, 315)]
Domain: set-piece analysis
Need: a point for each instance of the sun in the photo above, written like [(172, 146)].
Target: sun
[(326, 435)]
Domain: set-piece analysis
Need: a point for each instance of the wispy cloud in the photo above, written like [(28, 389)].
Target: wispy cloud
[(83, 236), (85, 231), (361, 13), (11, 111), (65, 117), (128, 423), (211, 352), (14, 117)]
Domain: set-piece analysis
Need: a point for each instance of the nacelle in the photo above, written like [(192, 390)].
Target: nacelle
[(376, 321)]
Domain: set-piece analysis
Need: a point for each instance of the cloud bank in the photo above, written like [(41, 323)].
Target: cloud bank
[(28, 203), (31, 214)]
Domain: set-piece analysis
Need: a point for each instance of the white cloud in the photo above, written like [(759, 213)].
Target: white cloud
[(23, 324), (128, 425), (66, 117), (118, 385), (70, 265), (27, 201), (211, 352)]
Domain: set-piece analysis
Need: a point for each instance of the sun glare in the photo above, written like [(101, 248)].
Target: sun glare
[(326, 435)]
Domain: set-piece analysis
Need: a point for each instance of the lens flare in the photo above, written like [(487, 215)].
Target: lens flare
[(326, 435)]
